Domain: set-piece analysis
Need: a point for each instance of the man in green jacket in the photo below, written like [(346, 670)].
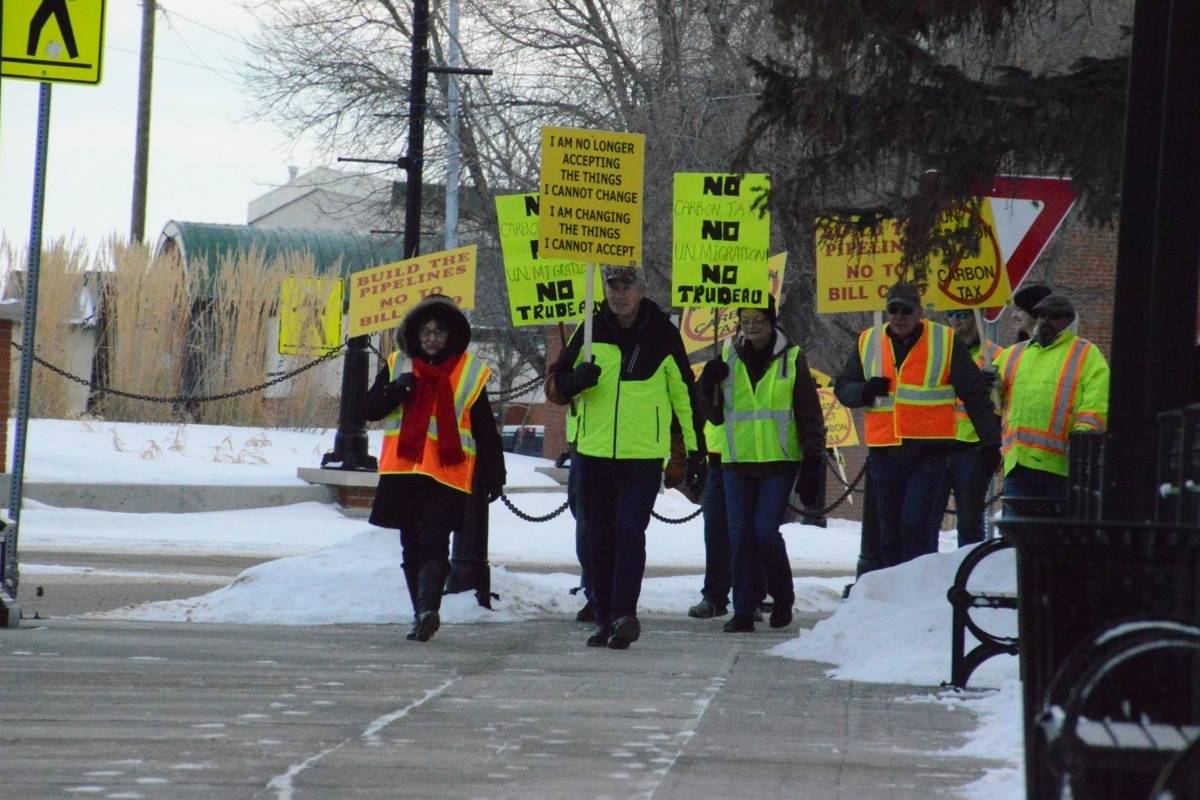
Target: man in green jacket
[(625, 396)]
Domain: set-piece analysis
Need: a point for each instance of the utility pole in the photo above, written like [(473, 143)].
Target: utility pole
[(141, 156), (454, 57), (350, 441)]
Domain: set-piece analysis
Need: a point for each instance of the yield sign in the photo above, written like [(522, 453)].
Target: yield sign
[(1027, 212)]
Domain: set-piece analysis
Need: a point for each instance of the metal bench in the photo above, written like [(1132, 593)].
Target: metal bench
[(964, 601), (1102, 738)]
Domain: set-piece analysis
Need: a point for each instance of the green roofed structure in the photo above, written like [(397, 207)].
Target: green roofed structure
[(208, 243)]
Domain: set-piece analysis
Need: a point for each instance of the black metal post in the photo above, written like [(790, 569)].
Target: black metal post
[(350, 441), (1154, 316)]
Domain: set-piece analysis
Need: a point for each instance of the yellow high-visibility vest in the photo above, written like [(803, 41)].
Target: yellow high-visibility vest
[(1049, 393), (984, 352), (759, 422)]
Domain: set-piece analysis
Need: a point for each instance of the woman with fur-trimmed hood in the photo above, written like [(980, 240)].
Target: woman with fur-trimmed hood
[(440, 444)]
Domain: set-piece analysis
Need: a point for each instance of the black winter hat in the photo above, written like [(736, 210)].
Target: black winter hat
[(1054, 306), (769, 311), (1029, 296), (442, 309)]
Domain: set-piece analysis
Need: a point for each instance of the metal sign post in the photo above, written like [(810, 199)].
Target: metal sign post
[(28, 328)]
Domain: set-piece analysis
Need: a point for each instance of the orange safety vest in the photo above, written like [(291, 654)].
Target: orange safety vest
[(965, 432), (467, 380), (921, 405)]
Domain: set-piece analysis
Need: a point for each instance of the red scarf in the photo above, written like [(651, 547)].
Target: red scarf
[(433, 396)]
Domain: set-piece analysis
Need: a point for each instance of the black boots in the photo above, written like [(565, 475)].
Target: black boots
[(425, 585)]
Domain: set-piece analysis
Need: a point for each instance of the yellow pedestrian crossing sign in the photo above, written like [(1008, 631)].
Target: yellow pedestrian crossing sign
[(52, 40)]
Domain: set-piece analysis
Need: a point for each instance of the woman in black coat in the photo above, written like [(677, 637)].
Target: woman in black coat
[(426, 480)]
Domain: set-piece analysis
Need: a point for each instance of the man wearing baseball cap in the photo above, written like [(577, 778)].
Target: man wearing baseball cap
[(908, 376), (637, 383)]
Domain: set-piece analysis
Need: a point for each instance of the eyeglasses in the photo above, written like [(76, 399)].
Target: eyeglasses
[(896, 308), (754, 322), (433, 332)]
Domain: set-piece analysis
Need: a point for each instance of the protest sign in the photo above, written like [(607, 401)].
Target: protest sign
[(720, 242), (381, 296), (696, 324), (591, 196), (310, 315)]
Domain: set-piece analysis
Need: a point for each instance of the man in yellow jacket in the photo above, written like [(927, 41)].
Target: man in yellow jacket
[(1052, 385), (626, 396)]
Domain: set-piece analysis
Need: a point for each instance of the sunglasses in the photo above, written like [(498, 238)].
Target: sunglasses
[(896, 308)]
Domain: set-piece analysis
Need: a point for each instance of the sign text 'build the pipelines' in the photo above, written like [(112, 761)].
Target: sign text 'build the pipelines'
[(381, 296)]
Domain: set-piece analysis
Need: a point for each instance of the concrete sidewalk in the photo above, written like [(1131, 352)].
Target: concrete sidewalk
[(513, 710)]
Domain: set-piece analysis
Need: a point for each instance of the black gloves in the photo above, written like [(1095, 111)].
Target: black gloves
[(875, 387), (697, 470), (493, 493), (404, 383), (585, 375), (808, 482), (713, 373), (989, 462)]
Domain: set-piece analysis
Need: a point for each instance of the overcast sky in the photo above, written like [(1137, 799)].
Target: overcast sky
[(206, 159)]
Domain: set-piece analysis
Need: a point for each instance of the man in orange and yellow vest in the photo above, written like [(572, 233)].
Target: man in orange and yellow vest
[(1052, 385), (908, 376), (963, 473)]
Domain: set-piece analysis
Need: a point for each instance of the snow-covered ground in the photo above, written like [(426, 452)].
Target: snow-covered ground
[(894, 628)]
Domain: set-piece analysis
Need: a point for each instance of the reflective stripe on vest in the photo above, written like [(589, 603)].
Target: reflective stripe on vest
[(922, 403), (965, 432), (468, 379), (1053, 437), (768, 401)]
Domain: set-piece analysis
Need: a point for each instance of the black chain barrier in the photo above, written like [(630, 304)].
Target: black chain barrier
[(679, 521), (530, 517), (209, 398), (821, 512)]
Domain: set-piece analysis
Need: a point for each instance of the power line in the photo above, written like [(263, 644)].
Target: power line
[(200, 24), (227, 75)]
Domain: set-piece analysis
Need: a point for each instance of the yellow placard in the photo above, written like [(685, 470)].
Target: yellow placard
[(381, 296), (696, 324), (541, 291), (720, 242), (839, 422), (310, 315), (52, 40), (591, 196), (854, 273)]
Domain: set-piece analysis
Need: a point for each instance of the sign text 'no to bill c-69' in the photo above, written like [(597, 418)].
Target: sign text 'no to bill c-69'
[(52, 40), (721, 241), (541, 291), (381, 296), (591, 196)]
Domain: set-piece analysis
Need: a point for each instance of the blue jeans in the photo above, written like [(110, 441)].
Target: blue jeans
[(970, 494), (718, 577), (582, 545), (1024, 483), (618, 496), (906, 485), (755, 508)]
